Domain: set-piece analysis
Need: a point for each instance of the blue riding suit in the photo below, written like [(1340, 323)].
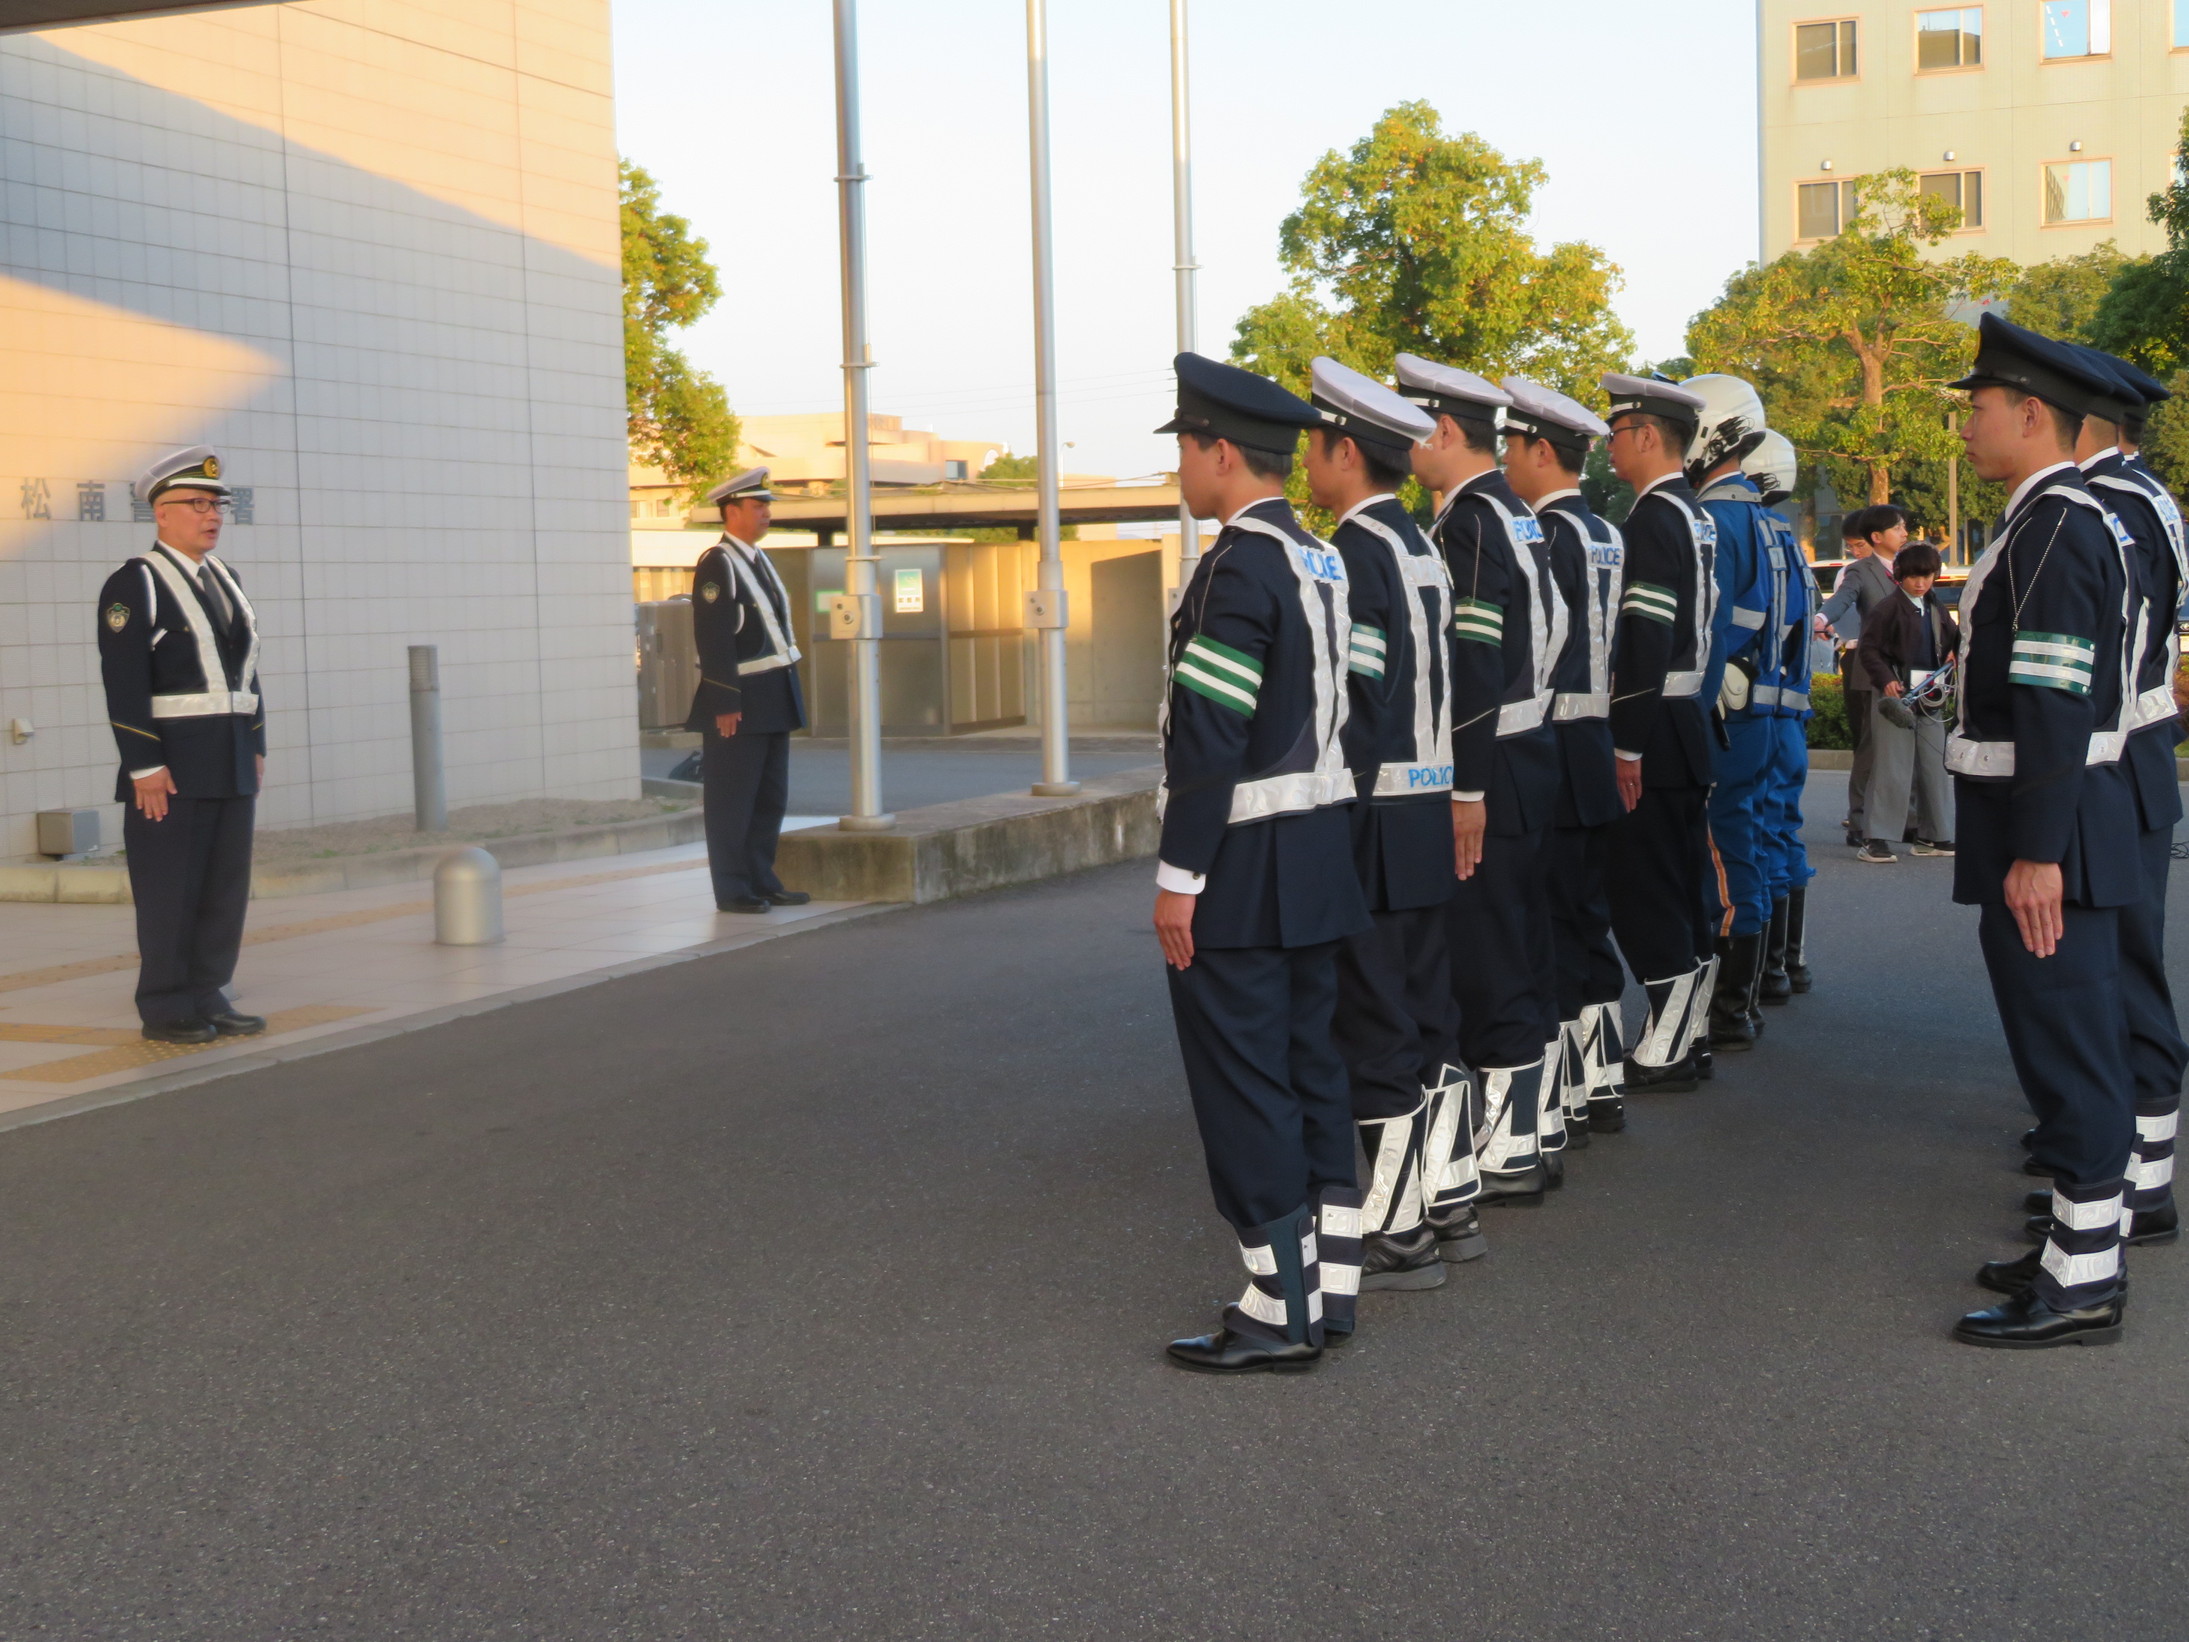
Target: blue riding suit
[(1786, 697), (1744, 653)]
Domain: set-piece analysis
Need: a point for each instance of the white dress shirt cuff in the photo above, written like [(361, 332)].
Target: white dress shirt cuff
[(1178, 880), (139, 775), (1626, 757), (1467, 797)]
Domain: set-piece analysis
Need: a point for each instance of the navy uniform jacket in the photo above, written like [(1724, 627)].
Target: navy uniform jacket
[(2153, 522), (2044, 651), (1663, 647), (1497, 608), (747, 657), (1255, 786), (1397, 733), (182, 687), (1587, 562)]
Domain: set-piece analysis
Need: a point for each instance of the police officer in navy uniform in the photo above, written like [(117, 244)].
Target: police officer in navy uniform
[(1547, 440), (1394, 1020), (748, 701), (1508, 629), (1660, 728), (1255, 887), (2157, 1054), (178, 651), (2048, 820), (1783, 690)]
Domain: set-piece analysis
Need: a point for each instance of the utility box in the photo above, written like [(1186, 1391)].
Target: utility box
[(68, 832), (668, 664)]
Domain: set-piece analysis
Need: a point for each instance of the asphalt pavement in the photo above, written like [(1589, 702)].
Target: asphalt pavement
[(819, 1290)]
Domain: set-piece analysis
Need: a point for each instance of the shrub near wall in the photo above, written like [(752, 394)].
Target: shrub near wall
[(1828, 726)]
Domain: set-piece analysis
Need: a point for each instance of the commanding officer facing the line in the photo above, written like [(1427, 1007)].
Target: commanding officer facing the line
[(1547, 439), (1255, 886), (1508, 626), (2047, 820), (1659, 726), (1783, 689), (1394, 1019), (178, 651), (748, 701)]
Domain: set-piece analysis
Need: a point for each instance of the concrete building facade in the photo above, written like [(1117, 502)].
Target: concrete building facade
[(368, 249), (2049, 122)]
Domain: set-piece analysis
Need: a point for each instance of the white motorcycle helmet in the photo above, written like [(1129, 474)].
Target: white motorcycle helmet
[(1731, 425), (1774, 467)]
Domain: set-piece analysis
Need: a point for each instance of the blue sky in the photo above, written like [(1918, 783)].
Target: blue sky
[(1647, 129)]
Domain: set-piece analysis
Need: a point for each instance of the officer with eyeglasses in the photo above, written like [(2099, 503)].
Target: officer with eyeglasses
[(178, 651)]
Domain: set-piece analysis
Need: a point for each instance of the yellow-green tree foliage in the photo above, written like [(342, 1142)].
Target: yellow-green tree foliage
[(680, 418)]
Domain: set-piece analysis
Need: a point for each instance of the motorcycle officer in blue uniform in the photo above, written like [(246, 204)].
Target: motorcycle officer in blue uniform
[(1782, 691), (2048, 821), (1744, 638), (1394, 1025), (1255, 886)]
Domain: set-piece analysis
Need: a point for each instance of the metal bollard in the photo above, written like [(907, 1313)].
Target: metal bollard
[(467, 899), (429, 788)]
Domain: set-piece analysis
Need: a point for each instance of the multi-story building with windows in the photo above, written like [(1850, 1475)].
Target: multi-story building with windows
[(2048, 122)]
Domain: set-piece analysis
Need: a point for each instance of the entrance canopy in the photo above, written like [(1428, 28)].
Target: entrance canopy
[(17, 16)]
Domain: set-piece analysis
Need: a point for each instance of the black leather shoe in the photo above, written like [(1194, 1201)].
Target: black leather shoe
[(1669, 1080), (1554, 1171), (1705, 1067), (1607, 1116), (179, 1032), (1227, 1353), (1577, 1134), (230, 1023), (2015, 1276), (788, 897), (1459, 1235), (2029, 1140), (1401, 1260), (1520, 1189), (2043, 1171), (2144, 1226), (2022, 1322), (745, 903)]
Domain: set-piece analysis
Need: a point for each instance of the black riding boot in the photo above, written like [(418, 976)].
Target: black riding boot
[(1774, 985)]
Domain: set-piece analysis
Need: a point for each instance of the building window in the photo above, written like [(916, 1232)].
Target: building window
[(2181, 24), (1963, 190), (1824, 51), (953, 470), (1823, 209), (1951, 39), (2076, 28), (2079, 191)]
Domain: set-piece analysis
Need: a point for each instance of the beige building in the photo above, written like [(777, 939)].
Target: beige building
[(2049, 122), (804, 455), (368, 249)]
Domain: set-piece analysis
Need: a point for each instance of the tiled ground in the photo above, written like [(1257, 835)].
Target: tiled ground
[(320, 964)]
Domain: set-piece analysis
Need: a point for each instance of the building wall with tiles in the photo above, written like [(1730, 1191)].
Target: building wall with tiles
[(368, 250)]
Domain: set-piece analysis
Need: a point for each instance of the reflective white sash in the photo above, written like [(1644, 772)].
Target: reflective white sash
[(217, 698), (1428, 618), (780, 652), (1602, 583), (1330, 626), (1546, 621)]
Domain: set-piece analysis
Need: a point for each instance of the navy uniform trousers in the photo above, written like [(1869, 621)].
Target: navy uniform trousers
[(1502, 962), (746, 785), (1587, 963), (2156, 1052), (190, 875), (1655, 882), (1394, 1033)]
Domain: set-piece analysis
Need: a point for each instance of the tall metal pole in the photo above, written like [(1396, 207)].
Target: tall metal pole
[(1183, 267), (1045, 610), (860, 560)]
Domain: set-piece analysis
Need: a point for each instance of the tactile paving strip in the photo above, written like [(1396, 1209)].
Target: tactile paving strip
[(128, 1051)]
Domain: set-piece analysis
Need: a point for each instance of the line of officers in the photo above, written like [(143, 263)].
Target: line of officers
[(1429, 795)]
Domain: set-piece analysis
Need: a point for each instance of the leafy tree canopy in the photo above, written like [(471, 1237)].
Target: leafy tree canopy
[(1415, 241), (679, 418)]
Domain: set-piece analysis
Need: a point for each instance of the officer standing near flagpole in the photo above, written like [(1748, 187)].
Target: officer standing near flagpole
[(2048, 821), (1394, 1019), (1659, 727), (178, 653), (748, 701), (1255, 886), (1508, 627), (1547, 441)]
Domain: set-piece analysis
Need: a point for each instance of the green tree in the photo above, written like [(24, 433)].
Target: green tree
[(1015, 471), (679, 418), (2145, 317), (2062, 297), (1852, 343), (1414, 241)]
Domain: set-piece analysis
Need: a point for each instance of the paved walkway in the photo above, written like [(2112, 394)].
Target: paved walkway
[(818, 1291)]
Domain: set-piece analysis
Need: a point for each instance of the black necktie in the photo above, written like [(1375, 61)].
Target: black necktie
[(216, 598)]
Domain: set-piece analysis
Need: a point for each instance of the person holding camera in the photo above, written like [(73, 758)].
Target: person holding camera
[(1905, 641)]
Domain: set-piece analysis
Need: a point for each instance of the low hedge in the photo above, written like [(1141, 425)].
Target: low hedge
[(1828, 728)]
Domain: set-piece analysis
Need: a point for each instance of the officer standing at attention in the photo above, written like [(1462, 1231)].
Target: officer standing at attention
[(2048, 821), (178, 652), (1255, 887), (2156, 1053), (1743, 641), (1659, 726), (1547, 440), (748, 701), (1394, 1020), (1783, 691)]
